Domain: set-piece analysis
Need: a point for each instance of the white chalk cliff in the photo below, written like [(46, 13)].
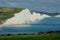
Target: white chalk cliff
[(57, 16), (25, 17)]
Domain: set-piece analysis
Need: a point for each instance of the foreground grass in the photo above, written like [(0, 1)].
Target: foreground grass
[(32, 37)]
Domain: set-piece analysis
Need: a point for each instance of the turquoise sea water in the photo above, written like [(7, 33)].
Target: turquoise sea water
[(47, 24)]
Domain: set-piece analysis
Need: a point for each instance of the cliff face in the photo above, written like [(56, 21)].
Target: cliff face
[(25, 17), (13, 16)]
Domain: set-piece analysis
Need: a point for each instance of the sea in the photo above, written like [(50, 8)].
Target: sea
[(44, 25)]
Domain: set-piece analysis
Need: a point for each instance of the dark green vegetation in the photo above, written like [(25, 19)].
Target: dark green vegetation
[(6, 13), (41, 36), (31, 37)]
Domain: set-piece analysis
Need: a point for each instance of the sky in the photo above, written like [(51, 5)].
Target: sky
[(35, 5)]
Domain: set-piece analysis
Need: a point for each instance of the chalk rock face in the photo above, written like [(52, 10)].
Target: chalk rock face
[(25, 17), (57, 16)]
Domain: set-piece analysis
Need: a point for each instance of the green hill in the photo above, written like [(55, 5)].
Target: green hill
[(6, 13)]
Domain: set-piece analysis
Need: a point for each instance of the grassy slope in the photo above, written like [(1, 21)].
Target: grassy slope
[(32, 37), (6, 13)]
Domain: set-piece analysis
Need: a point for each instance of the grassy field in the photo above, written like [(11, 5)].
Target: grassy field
[(32, 37)]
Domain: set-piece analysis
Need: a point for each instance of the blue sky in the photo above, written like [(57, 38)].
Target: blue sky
[(36, 5)]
